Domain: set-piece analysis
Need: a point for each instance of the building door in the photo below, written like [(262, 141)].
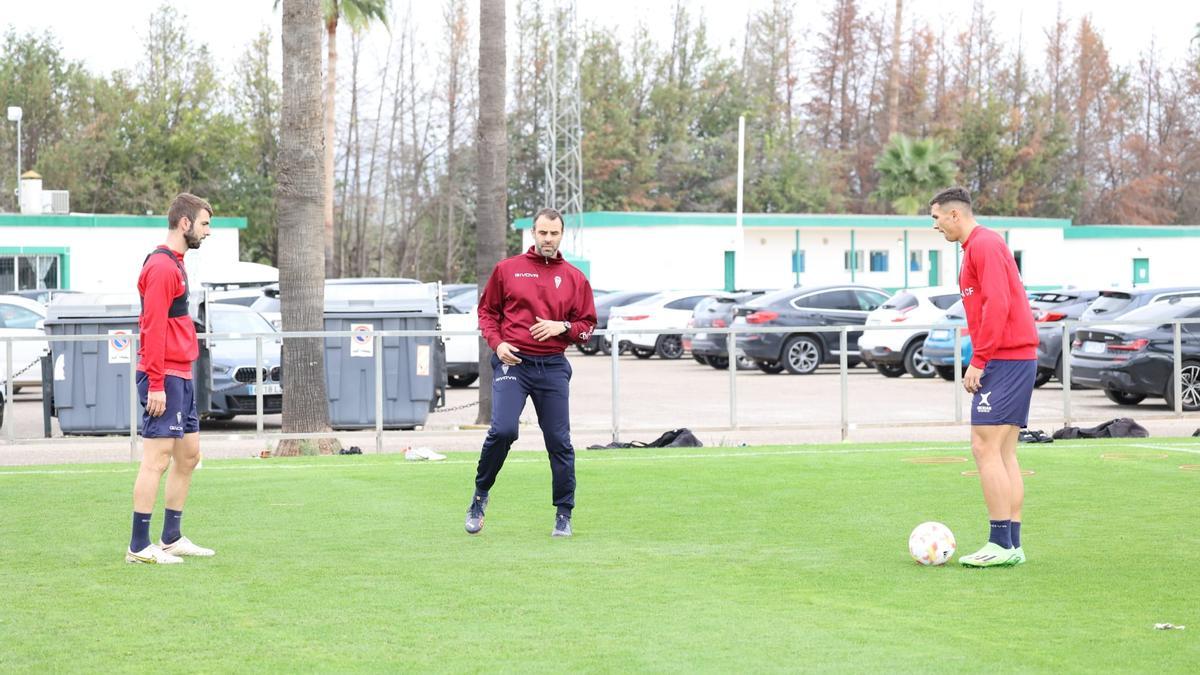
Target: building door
[(935, 268), (1141, 271), (730, 266)]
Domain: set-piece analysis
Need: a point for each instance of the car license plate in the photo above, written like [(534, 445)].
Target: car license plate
[(1091, 347), (940, 334), (266, 389), (701, 336)]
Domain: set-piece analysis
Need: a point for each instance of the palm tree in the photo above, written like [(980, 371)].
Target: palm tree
[(492, 175), (358, 15), (298, 203), (911, 169)]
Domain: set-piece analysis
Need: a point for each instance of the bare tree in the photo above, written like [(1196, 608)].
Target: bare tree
[(298, 197), (492, 175)]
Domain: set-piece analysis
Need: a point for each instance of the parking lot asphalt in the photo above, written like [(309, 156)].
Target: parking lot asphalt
[(654, 396)]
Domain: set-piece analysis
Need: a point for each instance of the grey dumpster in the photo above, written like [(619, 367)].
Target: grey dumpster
[(411, 365), (91, 377)]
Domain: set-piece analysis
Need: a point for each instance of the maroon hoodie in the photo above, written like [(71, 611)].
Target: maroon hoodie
[(530, 285)]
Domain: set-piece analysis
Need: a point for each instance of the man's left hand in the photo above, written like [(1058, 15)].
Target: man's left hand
[(971, 379), (545, 329)]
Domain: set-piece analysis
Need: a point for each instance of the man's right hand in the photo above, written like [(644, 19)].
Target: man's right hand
[(156, 403), (506, 353)]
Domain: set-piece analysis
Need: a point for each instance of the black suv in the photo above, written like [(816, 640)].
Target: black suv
[(800, 352), (1133, 362), (716, 312)]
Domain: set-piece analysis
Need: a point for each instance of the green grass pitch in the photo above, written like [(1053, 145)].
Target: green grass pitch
[(711, 559)]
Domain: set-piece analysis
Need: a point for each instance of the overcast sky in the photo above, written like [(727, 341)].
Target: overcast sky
[(106, 39)]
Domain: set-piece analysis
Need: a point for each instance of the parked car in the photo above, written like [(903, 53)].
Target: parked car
[(22, 317), (895, 352), (939, 344), (666, 311), (604, 306), (233, 363), (42, 295), (717, 312), (1114, 304), (801, 352), (1064, 304), (462, 351), (268, 304), (1131, 363)]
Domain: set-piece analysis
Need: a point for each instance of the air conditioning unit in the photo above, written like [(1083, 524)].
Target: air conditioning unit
[(57, 202)]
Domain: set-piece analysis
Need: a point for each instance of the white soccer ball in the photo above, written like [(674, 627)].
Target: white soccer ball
[(931, 544)]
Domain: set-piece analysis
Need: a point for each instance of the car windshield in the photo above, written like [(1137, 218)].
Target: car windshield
[(1160, 311), (1108, 303), (900, 301), (239, 322)]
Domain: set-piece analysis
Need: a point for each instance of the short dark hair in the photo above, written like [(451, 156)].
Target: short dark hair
[(186, 205), (551, 213), (952, 194)]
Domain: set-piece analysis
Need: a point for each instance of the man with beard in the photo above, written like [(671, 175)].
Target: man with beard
[(533, 307), (167, 348)]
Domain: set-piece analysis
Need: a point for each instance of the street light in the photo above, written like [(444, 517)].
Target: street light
[(14, 115)]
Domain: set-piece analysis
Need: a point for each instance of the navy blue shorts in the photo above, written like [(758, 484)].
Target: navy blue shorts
[(180, 417), (1004, 393)]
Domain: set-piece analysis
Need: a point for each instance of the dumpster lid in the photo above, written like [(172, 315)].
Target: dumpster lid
[(383, 297), (93, 306)]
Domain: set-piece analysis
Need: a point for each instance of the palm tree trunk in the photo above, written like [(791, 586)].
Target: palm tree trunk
[(330, 98), (298, 200), (492, 174)]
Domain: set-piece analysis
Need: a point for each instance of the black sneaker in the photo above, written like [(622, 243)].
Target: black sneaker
[(562, 525), (475, 514)]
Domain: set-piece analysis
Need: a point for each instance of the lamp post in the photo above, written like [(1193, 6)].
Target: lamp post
[(14, 115)]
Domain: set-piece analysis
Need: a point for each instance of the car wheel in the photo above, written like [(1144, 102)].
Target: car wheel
[(669, 347), (642, 353), (801, 355), (1043, 376), (915, 363), (945, 372), (890, 369), (463, 381), (769, 367), (625, 347), (719, 362), (1123, 398), (1190, 377), (605, 348), (703, 360)]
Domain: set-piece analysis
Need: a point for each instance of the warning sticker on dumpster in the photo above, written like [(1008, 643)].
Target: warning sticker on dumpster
[(119, 346), (423, 360), (362, 345)]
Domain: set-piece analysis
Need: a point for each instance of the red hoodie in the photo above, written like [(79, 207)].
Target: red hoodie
[(167, 344), (530, 285), (998, 313)]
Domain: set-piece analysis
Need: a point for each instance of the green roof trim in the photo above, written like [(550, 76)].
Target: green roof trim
[(784, 220), (105, 220), (1130, 231)]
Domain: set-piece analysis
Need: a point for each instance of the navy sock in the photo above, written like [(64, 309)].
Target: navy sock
[(171, 524), (1015, 529), (1001, 533), (141, 532)]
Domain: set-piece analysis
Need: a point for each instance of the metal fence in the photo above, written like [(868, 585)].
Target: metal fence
[(731, 333)]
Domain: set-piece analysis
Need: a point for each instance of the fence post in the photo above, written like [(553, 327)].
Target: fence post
[(133, 396), (616, 388), (958, 385), (378, 339), (1178, 370), (731, 350), (843, 364), (1066, 374), (9, 376), (258, 388)]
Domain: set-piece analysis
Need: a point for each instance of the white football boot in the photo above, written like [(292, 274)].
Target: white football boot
[(184, 546), (152, 555)]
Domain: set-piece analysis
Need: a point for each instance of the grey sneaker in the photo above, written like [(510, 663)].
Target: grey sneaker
[(475, 513), (562, 526)]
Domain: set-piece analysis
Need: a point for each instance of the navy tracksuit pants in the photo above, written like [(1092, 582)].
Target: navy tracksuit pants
[(545, 379)]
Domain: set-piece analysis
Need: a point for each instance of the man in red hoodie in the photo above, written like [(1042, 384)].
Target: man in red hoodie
[(1002, 370), (166, 349), (533, 307)]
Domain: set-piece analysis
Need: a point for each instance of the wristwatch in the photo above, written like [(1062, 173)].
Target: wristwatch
[(567, 326)]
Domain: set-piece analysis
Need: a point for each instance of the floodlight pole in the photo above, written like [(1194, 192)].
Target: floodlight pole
[(14, 115), (739, 234)]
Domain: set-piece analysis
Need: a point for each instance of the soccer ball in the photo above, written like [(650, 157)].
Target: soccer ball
[(931, 544)]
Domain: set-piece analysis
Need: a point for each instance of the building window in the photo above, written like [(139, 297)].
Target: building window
[(852, 260), (879, 261), (28, 272), (1017, 257), (798, 262), (914, 261)]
